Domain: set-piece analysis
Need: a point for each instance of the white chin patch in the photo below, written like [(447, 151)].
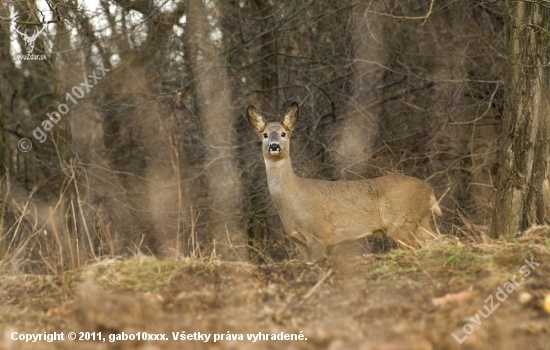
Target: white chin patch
[(274, 153)]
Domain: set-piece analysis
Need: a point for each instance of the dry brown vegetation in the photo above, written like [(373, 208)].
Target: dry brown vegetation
[(368, 302)]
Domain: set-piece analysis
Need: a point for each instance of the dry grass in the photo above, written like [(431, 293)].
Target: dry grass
[(368, 302)]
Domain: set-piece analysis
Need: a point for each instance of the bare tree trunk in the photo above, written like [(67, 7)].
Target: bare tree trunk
[(268, 52), (360, 128), (61, 136), (217, 120), (523, 184), (3, 184), (4, 52), (269, 80)]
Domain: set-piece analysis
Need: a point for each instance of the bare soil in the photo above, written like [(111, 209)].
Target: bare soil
[(370, 301)]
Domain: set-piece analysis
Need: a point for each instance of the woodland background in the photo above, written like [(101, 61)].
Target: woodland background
[(159, 157)]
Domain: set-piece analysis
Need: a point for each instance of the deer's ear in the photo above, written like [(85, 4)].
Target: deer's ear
[(291, 116), (255, 119)]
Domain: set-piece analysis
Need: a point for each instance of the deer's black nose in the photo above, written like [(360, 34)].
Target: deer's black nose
[(274, 147)]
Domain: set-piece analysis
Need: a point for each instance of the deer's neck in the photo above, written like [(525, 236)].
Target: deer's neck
[(280, 177)]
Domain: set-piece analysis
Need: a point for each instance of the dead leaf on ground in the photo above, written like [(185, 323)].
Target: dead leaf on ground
[(453, 298), (57, 312)]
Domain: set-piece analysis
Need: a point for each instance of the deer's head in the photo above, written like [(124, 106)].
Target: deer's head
[(275, 136)]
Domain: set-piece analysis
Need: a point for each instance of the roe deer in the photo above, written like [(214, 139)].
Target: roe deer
[(318, 214)]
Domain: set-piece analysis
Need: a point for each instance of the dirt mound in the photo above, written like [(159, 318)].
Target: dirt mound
[(447, 296)]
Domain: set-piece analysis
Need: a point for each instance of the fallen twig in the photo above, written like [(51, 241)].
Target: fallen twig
[(317, 285)]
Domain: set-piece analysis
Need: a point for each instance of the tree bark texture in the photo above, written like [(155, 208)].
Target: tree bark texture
[(523, 183)]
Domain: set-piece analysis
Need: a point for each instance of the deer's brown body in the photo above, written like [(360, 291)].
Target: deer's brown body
[(318, 214)]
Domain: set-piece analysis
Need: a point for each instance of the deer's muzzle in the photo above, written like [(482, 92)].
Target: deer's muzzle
[(274, 148)]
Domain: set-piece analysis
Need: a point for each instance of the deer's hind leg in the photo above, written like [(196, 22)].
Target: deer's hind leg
[(408, 235), (425, 229)]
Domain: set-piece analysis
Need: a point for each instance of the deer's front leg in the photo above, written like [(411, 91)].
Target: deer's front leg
[(302, 244), (311, 248), (317, 250)]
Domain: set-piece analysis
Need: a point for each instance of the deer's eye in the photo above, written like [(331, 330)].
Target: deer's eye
[(283, 134), (265, 136)]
